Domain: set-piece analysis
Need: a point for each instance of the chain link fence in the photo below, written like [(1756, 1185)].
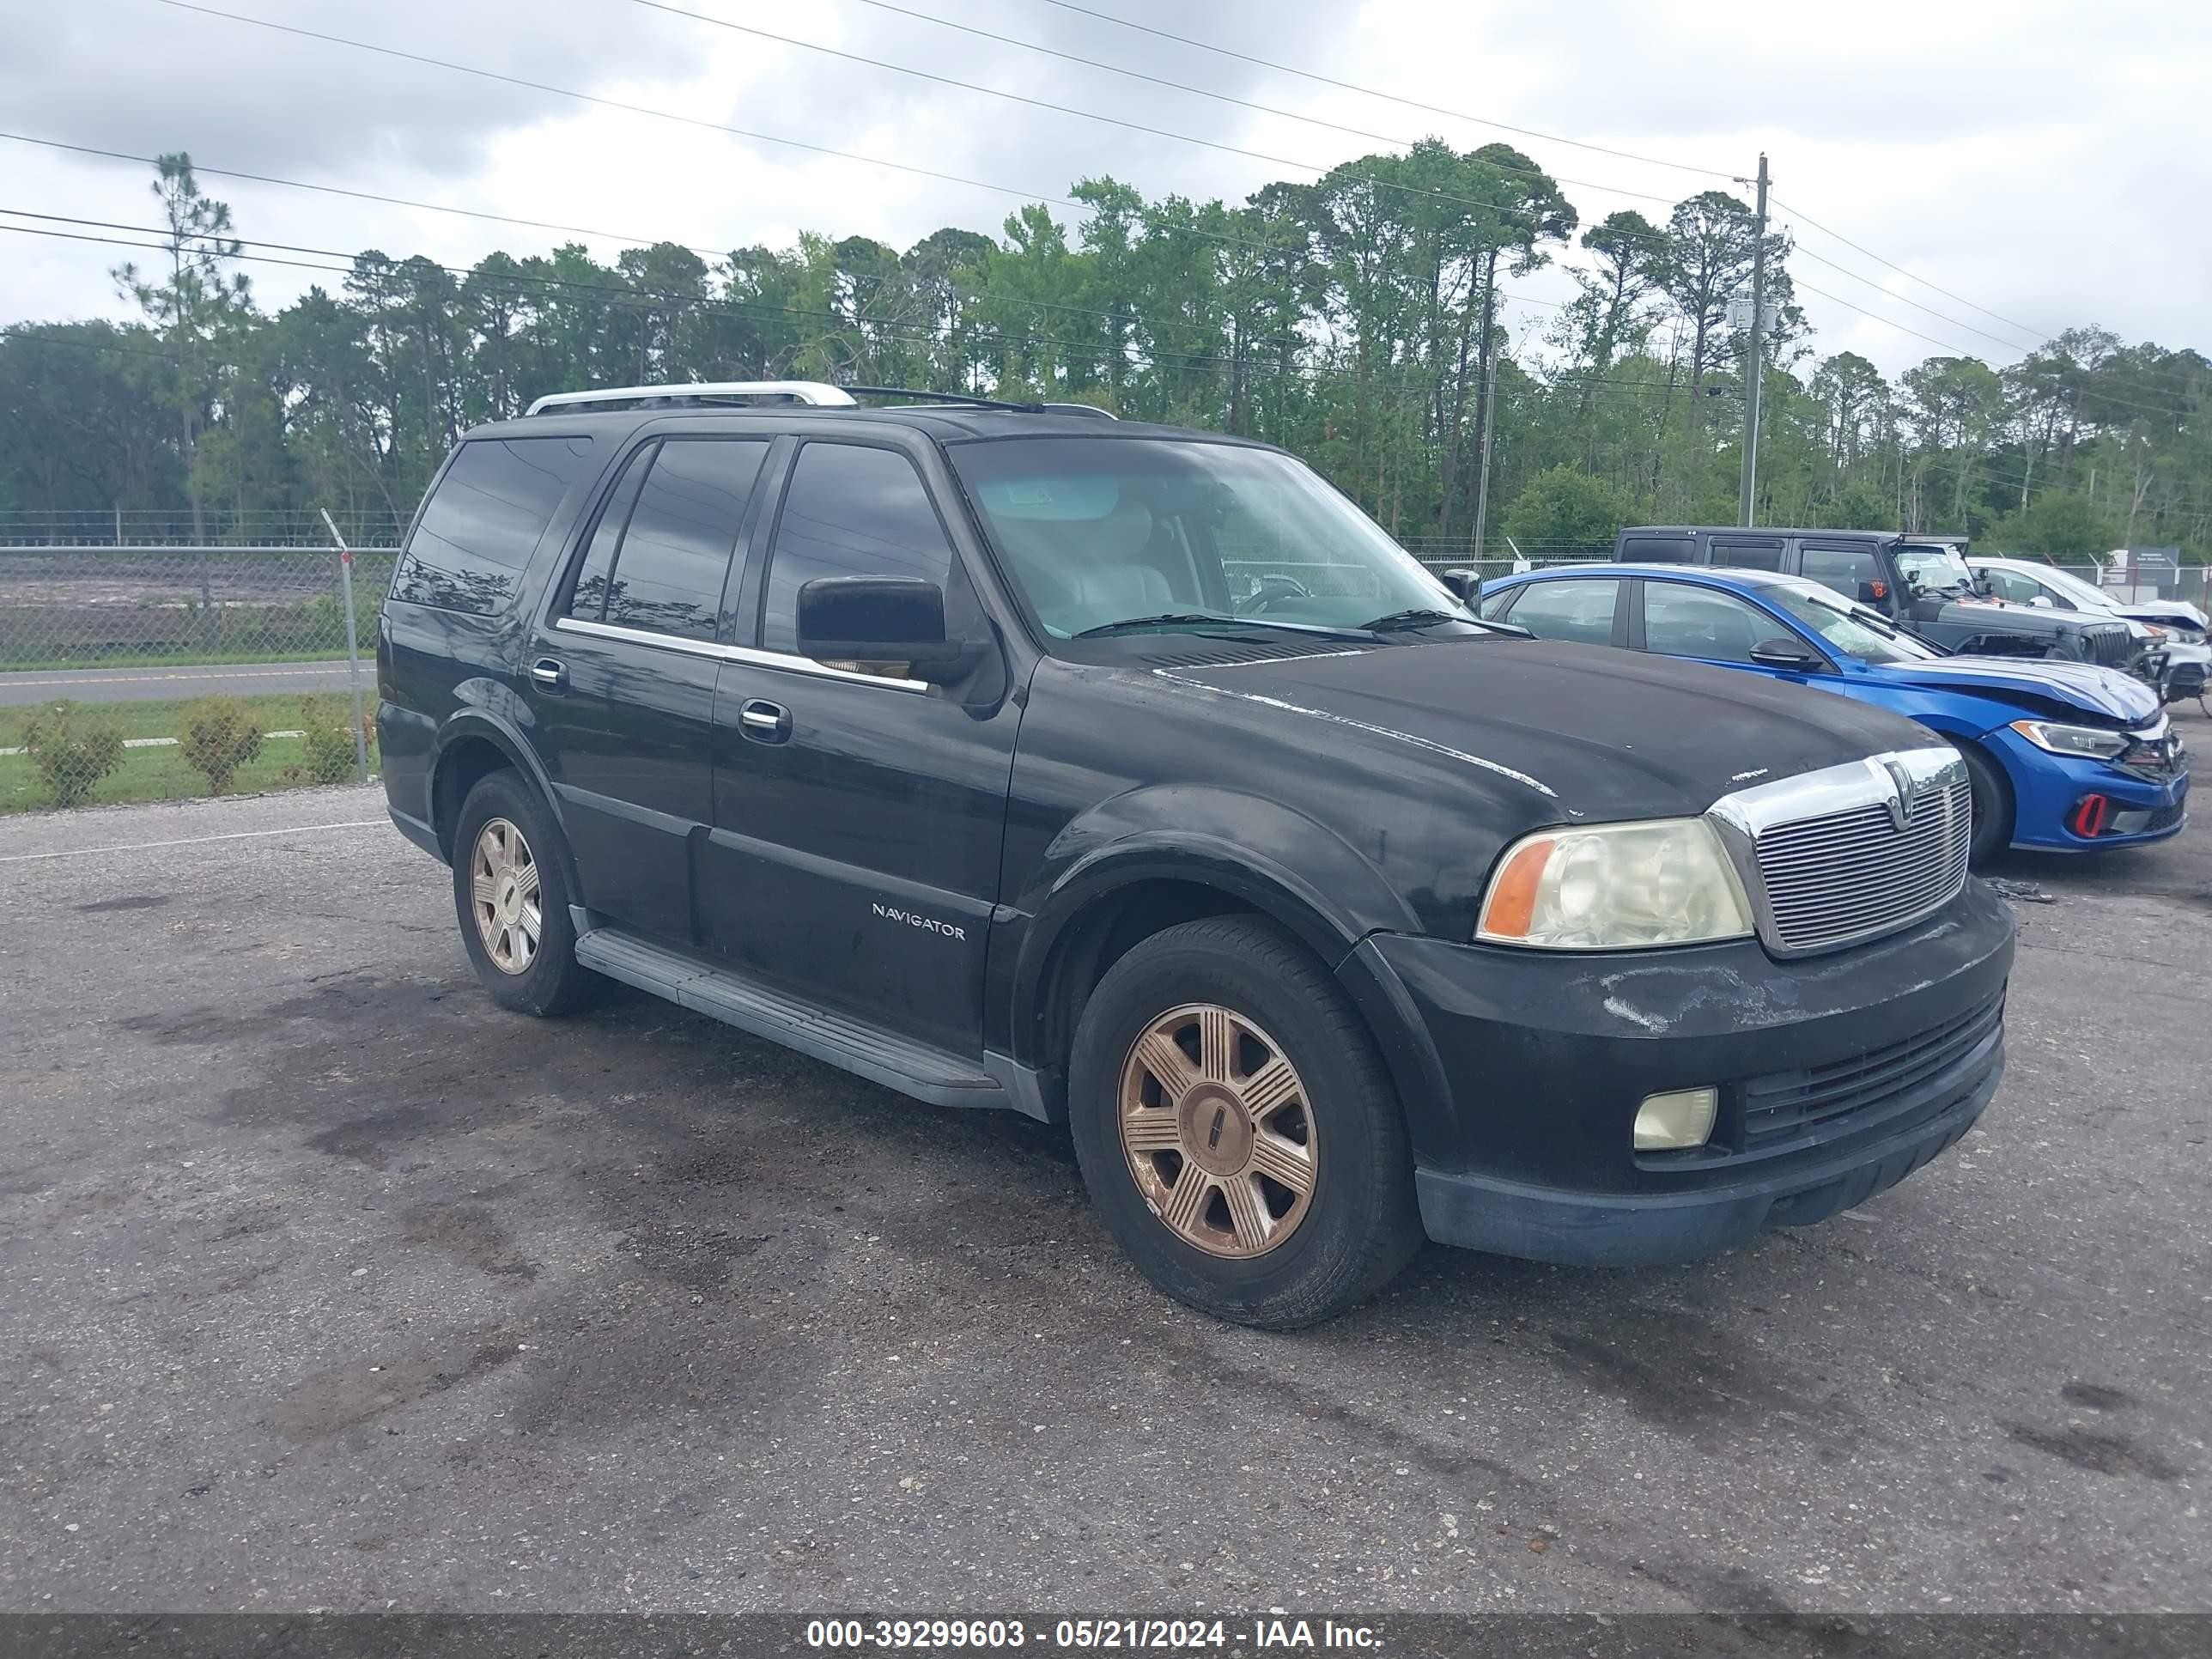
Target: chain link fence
[(145, 672)]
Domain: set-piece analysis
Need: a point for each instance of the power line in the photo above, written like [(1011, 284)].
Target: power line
[(1389, 97), (2025, 328), (1313, 168), (1153, 80)]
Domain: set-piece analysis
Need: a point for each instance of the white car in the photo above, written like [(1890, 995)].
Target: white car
[(2180, 626)]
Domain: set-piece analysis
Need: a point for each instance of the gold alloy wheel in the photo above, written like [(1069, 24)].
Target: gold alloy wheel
[(1217, 1130), (503, 895)]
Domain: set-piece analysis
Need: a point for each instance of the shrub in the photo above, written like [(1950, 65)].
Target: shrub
[(1564, 510), (220, 735), (73, 749), (329, 740)]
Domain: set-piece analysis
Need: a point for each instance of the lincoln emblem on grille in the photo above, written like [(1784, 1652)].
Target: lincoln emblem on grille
[(1901, 804)]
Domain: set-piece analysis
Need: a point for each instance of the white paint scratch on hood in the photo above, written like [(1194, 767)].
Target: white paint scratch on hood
[(1434, 747)]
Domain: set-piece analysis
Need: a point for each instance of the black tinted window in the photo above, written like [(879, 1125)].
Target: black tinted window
[(1680, 621), (1842, 568), (588, 599), (480, 526), (668, 571), (1751, 554), (850, 512), (1580, 609), (1656, 549)]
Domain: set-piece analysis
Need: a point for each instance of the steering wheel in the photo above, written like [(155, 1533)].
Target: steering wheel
[(1272, 589)]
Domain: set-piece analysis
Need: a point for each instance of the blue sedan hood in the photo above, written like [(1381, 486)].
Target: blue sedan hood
[(2104, 692)]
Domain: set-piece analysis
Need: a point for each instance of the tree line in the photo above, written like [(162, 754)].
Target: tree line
[(1357, 320)]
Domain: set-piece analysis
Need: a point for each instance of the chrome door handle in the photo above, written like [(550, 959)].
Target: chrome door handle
[(550, 674), (764, 721)]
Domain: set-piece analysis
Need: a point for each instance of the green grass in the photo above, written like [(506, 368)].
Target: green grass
[(163, 774)]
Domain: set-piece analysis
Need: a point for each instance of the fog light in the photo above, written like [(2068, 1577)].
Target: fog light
[(1677, 1119)]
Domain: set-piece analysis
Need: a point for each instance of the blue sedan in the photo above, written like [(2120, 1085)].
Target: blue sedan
[(2064, 756)]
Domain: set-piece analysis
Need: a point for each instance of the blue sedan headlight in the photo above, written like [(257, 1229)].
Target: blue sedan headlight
[(2076, 742)]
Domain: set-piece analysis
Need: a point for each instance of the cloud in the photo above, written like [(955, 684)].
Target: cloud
[(1992, 149)]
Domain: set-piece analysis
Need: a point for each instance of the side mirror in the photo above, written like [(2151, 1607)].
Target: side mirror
[(1782, 652), (1872, 593), (883, 619), (2042, 602), (1467, 584)]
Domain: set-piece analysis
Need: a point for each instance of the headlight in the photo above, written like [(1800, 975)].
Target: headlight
[(2079, 742), (1615, 887)]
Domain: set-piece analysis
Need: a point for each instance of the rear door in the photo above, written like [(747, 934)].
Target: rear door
[(621, 676), (858, 817)]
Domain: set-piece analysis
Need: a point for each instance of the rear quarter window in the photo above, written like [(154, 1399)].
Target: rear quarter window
[(483, 520), (1656, 549)]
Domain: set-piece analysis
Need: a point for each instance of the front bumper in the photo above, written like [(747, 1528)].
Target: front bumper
[(2048, 789), (1838, 1075)]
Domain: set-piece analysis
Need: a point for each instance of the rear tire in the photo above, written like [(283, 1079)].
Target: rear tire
[(1992, 805), (511, 894), (1236, 1127)]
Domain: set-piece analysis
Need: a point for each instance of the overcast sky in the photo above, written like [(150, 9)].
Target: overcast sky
[(2051, 162)]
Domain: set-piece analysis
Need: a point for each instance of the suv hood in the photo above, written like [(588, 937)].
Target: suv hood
[(2105, 692), (1587, 731)]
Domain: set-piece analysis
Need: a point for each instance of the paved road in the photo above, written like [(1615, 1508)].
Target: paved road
[(325, 1283), (126, 683)]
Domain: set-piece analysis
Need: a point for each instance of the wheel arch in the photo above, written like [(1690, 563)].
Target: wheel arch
[(1111, 901), (472, 745)]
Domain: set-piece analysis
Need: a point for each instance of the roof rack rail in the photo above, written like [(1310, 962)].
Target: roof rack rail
[(815, 392), (966, 399), (1091, 410)]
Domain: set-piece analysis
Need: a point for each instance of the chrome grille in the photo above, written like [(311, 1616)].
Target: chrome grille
[(1850, 874)]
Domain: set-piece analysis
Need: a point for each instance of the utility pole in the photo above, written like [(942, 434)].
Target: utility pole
[(1753, 369), (1483, 467)]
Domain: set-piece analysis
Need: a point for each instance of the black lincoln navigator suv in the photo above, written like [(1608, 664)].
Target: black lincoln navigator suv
[(1130, 777)]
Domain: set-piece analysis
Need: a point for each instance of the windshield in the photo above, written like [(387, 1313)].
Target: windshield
[(1176, 535), (1850, 630), (1934, 570)]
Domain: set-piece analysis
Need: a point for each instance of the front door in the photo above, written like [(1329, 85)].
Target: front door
[(621, 677), (858, 817)]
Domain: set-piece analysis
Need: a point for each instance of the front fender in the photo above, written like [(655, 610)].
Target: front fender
[(1290, 868)]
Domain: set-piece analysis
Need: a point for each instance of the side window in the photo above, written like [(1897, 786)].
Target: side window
[(850, 512), (668, 570), (478, 530), (1580, 610), (1845, 570), (1682, 621), (587, 599), (1658, 550), (1751, 553)]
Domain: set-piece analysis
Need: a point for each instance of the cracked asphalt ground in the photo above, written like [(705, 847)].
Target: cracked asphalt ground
[(327, 1283)]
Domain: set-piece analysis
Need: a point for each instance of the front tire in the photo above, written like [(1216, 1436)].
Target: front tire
[(511, 893), (1992, 804), (1236, 1128)]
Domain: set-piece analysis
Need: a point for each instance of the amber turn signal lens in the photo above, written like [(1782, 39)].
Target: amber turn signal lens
[(1513, 895)]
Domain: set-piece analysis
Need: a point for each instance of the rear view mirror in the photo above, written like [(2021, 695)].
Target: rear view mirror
[(882, 619), (1784, 652)]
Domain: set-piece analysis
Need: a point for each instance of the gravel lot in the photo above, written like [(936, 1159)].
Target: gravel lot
[(328, 1285)]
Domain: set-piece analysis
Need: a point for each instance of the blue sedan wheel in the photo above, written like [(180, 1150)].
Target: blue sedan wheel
[(1992, 802)]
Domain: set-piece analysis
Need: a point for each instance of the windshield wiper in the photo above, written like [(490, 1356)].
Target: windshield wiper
[(1419, 617), (1171, 619)]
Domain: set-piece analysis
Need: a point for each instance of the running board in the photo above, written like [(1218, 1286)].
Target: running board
[(897, 1062)]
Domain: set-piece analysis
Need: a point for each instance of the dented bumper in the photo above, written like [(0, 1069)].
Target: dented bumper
[(1838, 1076)]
